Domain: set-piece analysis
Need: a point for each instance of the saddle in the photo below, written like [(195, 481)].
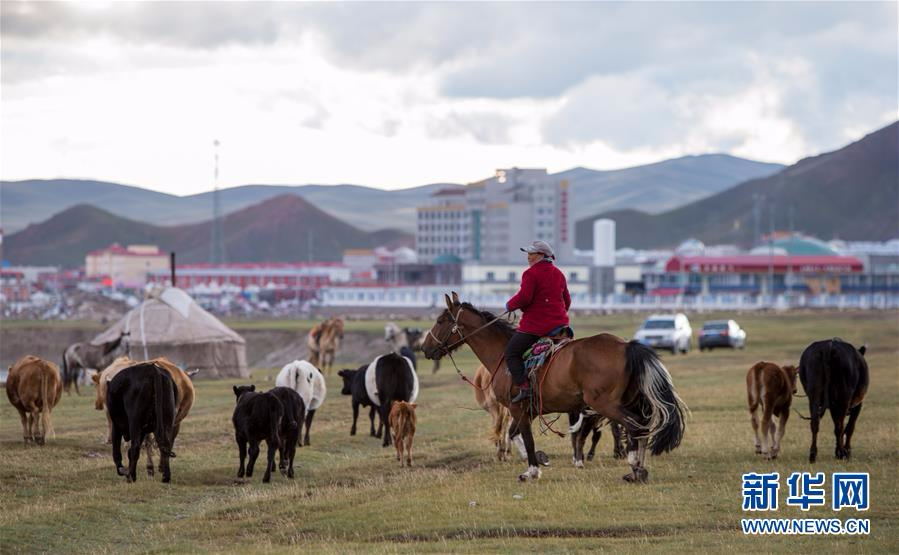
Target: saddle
[(543, 349)]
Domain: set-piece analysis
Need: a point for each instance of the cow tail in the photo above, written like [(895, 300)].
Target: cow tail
[(165, 410), (274, 416)]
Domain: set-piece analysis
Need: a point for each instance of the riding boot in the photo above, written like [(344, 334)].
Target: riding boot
[(524, 393)]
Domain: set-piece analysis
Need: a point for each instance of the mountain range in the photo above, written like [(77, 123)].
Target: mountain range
[(652, 188), (285, 228), (851, 193)]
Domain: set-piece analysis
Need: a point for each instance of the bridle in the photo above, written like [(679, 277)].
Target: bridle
[(447, 349)]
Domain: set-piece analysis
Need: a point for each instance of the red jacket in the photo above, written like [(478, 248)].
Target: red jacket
[(543, 298)]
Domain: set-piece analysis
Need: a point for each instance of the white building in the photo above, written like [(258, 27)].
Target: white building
[(491, 219)]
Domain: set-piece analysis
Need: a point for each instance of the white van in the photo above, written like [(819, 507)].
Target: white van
[(666, 331)]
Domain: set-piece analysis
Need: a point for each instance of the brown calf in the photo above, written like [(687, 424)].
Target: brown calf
[(486, 399), (402, 425), (770, 390), (34, 387), (184, 398)]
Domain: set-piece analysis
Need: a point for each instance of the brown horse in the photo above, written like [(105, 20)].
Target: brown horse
[(329, 343), (622, 381)]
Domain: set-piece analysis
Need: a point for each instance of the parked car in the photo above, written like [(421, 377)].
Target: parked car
[(721, 333), (666, 331)]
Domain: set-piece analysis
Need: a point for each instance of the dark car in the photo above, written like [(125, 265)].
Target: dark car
[(721, 333)]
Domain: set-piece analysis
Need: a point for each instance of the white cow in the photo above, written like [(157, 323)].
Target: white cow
[(304, 378)]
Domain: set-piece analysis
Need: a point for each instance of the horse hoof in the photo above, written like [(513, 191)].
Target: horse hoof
[(590, 456), (758, 450), (150, 472), (166, 479), (542, 458), (579, 464), (121, 471)]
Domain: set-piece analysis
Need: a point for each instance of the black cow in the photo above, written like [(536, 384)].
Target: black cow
[(354, 384), (141, 401), (257, 417), (294, 409), (834, 375), (394, 381)]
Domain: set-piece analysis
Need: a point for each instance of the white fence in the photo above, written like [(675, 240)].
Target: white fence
[(428, 297)]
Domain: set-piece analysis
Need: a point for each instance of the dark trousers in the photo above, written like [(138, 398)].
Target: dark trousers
[(518, 344)]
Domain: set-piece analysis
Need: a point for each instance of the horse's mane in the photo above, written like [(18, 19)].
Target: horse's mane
[(500, 325)]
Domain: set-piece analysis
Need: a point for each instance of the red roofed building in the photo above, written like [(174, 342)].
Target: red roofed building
[(125, 266), (749, 274)]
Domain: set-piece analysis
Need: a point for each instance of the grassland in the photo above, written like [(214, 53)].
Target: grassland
[(350, 494)]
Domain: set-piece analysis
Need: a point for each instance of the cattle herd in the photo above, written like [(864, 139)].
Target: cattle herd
[(145, 403)]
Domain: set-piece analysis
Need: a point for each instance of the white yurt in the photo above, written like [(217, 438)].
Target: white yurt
[(169, 323)]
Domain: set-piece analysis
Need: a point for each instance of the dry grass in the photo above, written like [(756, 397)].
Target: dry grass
[(351, 495)]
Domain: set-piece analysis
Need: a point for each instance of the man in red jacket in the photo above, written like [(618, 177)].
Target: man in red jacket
[(544, 300)]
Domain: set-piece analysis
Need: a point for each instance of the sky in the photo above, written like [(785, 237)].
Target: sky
[(395, 95)]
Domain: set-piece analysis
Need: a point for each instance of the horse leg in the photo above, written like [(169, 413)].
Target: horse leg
[(148, 446), (254, 453), (616, 412), (850, 428), (527, 435), (597, 434), (242, 449), (76, 379), (838, 417), (309, 415), (619, 440)]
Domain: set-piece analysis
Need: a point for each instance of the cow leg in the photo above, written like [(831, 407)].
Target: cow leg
[(754, 417), (76, 379), (385, 414), (813, 450), (398, 443), (272, 447), (291, 454), (767, 431), (254, 452), (409, 450), (137, 438), (355, 418), (838, 414), (242, 449), (26, 427), (164, 467), (148, 447), (117, 450), (781, 428), (597, 434), (850, 428), (309, 415), (371, 417)]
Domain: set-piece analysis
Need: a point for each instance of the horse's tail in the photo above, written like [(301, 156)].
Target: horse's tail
[(164, 393), (658, 401)]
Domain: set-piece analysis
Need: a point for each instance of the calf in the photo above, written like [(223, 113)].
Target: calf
[(581, 425), (308, 381), (294, 408), (354, 385), (402, 424), (770, 391), (834, 375), (141, 401), (33, 386), (257, 417)]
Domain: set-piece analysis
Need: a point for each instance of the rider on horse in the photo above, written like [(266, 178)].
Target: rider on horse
[(544, 300)]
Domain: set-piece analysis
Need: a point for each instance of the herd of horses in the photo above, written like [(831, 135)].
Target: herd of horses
[(596, 380)]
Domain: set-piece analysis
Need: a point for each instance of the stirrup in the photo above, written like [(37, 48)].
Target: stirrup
[(523, 395)]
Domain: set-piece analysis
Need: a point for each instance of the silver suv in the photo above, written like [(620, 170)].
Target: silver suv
[(666, 331)]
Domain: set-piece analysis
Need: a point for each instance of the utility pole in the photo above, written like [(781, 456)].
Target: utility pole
[(771, 250)]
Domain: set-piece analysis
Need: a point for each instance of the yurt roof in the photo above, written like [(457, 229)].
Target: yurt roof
[(169, 316)]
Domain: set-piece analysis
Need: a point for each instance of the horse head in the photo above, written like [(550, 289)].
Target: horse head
[(445, 335)]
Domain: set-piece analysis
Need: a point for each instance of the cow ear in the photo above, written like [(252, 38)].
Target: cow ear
[(455, 298), (863, 349), (253, 387), (235, 389), (449, 303)]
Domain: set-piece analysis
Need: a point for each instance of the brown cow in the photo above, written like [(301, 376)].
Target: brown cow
[(183, 402), (486, 399), (402, 425), (34, 387), (770, 388)]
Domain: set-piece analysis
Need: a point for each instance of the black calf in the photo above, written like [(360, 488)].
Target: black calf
[(294, 408), (257, 417), (354, 385), (141, 401)]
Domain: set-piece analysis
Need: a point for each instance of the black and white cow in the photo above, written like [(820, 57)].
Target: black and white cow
[(834, 375), (388, 378), (257, 417), (141, 400), (294, 409)]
